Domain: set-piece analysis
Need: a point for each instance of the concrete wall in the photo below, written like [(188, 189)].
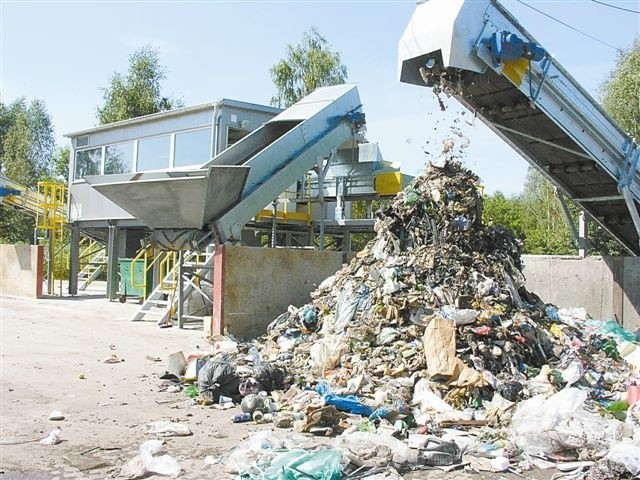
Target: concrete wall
[(21, 269), (252, 286), (608, 287)]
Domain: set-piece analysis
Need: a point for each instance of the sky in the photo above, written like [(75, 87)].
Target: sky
[(64, 53)]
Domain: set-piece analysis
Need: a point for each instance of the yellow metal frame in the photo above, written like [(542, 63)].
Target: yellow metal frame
[(88, 249), (286, 216), (50, 216)]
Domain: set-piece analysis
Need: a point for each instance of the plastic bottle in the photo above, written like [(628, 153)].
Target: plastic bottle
[(258, 416), (241, 417)]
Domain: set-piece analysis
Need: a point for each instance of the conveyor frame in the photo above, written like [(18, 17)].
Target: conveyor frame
[(546, 116)]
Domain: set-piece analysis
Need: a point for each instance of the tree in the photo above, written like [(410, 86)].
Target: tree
[(61, 164), (546, 231), (309, 65), (26, 151), (506, 212), (138, 92), (620, 93)]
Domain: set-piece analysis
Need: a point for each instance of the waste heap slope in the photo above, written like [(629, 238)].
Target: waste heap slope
[(436, 294)]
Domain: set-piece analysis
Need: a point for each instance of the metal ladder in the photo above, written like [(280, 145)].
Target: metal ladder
[(162, 302)]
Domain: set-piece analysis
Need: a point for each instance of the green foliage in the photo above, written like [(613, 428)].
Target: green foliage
[(505, 212), (359, 209), (61, 164), (26, 139), (620, 93), (535, 216), (545, 227), (309, 65), (26, 156), (138, 92), (16, 226)]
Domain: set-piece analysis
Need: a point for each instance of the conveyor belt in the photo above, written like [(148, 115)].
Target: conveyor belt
[(543, 143), (224, 194), (543, 113)]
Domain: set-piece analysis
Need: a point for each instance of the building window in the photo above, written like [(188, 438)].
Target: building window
[(118, 158), (88, 163), (153, 153), (235, 134), (192, 148)]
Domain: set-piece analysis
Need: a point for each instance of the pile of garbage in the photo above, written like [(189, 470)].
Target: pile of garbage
[(427, 349)]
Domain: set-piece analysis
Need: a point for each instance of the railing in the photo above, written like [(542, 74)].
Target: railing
[(284, 214)]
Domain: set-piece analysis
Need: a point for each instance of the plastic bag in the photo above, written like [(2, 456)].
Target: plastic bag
[(325, 353), (168, 429), (574, 317), (346, 306), (241, 459), (427, 402), (301, 464), (613, 330), (349, 301), (462, 316), (402, 454), (345, 403), (544, 426), (627, 453), (146, 463), (268, 376), (218, 377)]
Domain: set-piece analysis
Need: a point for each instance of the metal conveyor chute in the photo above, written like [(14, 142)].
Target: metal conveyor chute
[(225, 193), (477, 51)]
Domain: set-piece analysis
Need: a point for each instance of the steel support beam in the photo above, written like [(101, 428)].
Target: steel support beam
[(633, 210), (112, 262), (74, 258)]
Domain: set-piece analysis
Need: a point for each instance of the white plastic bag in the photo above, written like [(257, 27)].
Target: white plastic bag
[(146, 463), (574, 317), (168, 429), (326, 353), (544, 426), (401, 452), (463, 316), (627, 453), (53, 438), (241, 459)]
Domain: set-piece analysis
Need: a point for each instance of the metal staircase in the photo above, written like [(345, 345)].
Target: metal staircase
[(92, 269), (165, 300)]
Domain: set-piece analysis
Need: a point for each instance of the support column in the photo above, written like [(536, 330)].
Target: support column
[(74, 259), (51, 264), (617, 271), (180, 288), (112, 263), (274, 224), (346, 241), (322, 172), (217, 319), (583, 241)]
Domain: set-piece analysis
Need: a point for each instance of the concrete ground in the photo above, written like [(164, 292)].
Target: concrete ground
[(48, 345)]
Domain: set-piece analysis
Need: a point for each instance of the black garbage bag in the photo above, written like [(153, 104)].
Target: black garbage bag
[(218, 377), (269, 377)]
